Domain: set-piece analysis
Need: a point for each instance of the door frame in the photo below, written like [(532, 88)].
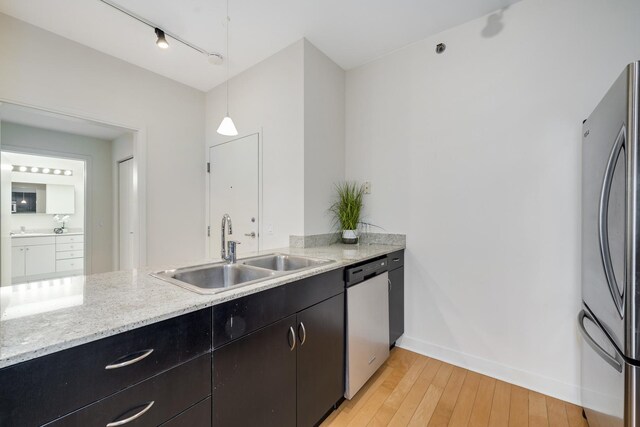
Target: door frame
[(139, 133), (208, 225), (116, 210)]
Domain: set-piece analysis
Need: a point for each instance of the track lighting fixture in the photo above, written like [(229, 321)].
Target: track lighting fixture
[(214, 57), (161, 41)]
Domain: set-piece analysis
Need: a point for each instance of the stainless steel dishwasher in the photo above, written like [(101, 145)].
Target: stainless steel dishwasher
[(367, 322)]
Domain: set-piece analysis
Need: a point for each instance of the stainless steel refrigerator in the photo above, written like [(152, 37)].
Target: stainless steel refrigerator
[(610, 316)]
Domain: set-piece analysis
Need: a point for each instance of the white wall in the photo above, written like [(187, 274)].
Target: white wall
[(324, 147), (41, 69), (475, 155), (296, 98), (268, 97)]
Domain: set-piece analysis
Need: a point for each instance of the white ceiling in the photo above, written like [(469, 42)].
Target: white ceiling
[(351, 32), (28, 116)]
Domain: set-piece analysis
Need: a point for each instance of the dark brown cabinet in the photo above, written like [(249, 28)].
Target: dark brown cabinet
[(320, 379), (288, 373), (396, 296), (254, 378), (41, 390)]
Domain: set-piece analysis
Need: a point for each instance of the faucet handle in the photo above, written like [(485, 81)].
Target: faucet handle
[(231, 245)]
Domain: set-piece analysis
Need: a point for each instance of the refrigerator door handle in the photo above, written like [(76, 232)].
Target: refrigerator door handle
[(603, 225), (615, 361)]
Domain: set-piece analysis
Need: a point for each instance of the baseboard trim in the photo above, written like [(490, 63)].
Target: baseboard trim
[(509, 374)]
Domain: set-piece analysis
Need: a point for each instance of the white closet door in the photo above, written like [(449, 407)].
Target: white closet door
[(125, 214)]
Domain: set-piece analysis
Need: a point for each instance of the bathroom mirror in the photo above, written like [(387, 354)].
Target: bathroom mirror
[(28, 198)]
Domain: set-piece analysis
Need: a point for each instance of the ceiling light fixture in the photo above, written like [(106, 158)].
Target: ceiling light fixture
[(227, 128), (22, 168), (57, 171), (164, 32), (68, 173), (46, 170), (161, 41), (35, 169)]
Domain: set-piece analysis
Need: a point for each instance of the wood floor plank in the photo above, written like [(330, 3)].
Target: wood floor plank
[(574, 415), (377, 399), (482, 405), (390, 406), (414, 397), (467, 397), (447, 402), (414, 390), (427, 406), (501, 405), (556, 412), (537, 410), (350, 411), (519, 407)]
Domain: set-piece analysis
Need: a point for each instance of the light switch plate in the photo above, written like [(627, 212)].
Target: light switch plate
[(367, 187)]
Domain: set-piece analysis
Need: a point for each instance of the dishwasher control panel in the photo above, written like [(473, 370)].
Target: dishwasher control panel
[(360, 273)]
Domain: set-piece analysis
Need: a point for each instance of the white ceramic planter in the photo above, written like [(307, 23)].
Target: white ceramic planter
[(349, 236)]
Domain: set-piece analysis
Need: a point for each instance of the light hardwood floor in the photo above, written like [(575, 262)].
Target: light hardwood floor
[(414, 390)]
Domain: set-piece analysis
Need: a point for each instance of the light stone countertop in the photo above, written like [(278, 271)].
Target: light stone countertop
[(45, 233), (44, 317)]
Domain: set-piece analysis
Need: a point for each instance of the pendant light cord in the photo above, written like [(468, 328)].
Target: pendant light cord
[(227, 25)]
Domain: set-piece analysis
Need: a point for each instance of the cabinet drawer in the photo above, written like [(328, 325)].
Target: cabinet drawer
[(76, 238), (69, 254), (396, 259), (69, 246), (46, 388), (70, 264), (155, 400), (32, 241), (199, 415)]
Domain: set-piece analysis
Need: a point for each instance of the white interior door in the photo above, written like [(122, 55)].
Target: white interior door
[(125, 214), (234, 189)]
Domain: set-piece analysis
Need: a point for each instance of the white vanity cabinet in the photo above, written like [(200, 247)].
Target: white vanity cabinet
[(33, 257), (46, 257)]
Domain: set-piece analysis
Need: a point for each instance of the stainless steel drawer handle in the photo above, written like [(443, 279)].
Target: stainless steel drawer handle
[(132, 417), (292, 338), (302, 336), (395, 259), (144, 354)]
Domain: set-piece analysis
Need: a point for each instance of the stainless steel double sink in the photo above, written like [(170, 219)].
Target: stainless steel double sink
[(220, 277)]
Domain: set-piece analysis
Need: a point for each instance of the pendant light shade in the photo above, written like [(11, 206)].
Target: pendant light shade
[(227, 128)]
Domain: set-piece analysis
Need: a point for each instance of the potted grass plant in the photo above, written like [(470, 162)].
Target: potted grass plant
[(346, 210)]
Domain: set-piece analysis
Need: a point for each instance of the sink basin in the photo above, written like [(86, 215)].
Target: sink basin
[(220, 277), (213, 278), (283, 262)]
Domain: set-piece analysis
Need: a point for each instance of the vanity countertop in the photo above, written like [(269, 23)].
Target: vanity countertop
[(44, 233), (44, 317)]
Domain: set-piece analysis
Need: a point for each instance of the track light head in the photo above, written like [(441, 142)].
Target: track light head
[(162, 41)]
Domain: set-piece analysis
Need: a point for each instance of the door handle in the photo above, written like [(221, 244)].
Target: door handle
[(133, 417), (603, 222), (144, 354), (614, 361), (252, 234), (292, 338), (302, 336)]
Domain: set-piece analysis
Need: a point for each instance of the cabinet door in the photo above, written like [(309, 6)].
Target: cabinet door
[(254, 378), (396, 304), (320, 359), (40, 259), (17, 262)]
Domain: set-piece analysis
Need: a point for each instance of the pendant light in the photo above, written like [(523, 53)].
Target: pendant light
[(227, 128), (23, 201)]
